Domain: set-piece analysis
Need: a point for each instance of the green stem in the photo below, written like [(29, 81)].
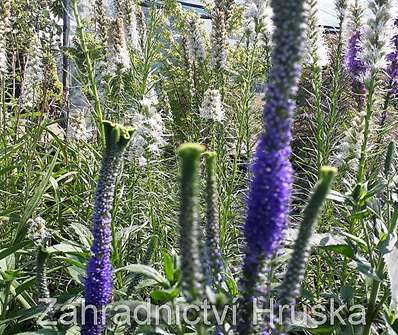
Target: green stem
[(366, 132), (317, 83), (373, 307)]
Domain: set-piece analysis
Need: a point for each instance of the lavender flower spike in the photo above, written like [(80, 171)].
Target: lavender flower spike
[(356, 67), (392, 68), (98, 284), (270, 188)]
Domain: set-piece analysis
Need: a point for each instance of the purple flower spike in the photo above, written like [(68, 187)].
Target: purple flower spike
[(392, 69), (356, 66), (272, 175), (268, 200), (98, 285)]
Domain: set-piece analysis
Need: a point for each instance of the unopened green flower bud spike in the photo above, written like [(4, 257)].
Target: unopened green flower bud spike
[(192, 277), (390, 156), (41, 273), (296, 267)]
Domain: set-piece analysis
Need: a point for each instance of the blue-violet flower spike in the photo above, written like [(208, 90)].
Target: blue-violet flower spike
[(270, 188), (98, 285)]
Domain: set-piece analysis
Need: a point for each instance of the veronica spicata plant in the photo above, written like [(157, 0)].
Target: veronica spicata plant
[(195, 268), (272, 175), (98, 286)]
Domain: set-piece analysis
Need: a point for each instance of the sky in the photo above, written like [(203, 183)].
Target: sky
[(327, 11)]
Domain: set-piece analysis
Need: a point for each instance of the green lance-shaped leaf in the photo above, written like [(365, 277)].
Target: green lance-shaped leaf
[(212, 224), (296, 267), (192, 277), (390, 156), (136, 278)]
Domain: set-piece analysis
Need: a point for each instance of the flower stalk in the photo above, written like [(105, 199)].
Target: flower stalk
[(98, 285), (192, 277), (5, 14), (375, 44), (272, 175), (212, 224), (315, 44), (330, 125), (41, 273), (219, 47), (289, 289), (90, 73)]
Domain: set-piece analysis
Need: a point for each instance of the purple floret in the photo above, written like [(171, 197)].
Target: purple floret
[(392, 69), (356, 67)]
